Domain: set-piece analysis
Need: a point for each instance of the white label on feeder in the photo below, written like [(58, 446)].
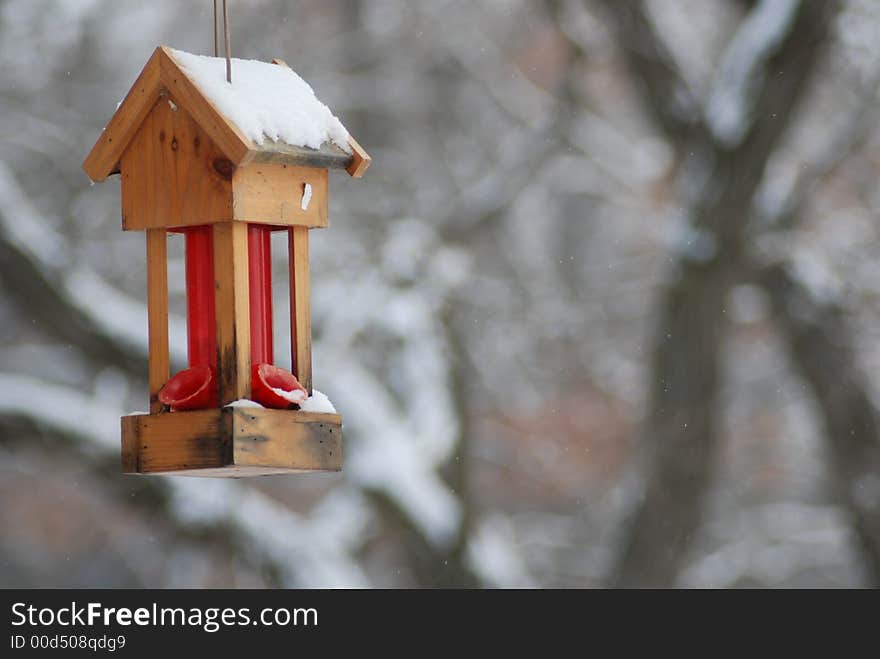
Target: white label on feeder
[(172, 105), (307, 196)]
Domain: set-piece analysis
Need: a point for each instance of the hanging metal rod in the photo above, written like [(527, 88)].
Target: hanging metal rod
[(228, 53), (225, 38), (216, 32)]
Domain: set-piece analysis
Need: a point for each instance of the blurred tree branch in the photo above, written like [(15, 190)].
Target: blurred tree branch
[(667, 97), (34, 282), (148, 497), (300, 550), (820, 345), (40, 299), (856, 129)]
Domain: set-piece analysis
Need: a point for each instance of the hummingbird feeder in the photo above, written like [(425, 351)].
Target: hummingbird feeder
[(226, 164)]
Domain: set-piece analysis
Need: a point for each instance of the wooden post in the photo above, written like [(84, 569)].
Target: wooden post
[(157, 314), (233, 311), (300, 313)]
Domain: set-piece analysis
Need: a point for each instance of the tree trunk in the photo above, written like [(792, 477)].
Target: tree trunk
[(681, 433)]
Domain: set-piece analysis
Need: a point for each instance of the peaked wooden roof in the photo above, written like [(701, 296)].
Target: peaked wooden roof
[(162, 72)]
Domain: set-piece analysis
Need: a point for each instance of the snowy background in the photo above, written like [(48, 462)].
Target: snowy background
[(604, 310)]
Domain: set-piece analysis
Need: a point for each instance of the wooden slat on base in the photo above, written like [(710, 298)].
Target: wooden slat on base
[(172, 441), (231, 442), (292, 440)]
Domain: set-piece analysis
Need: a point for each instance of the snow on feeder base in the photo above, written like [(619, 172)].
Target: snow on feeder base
[(194, 158)]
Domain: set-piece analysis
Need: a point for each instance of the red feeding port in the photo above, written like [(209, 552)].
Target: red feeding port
[(270, 386), (196, 387), (191, 389), (275, 387)]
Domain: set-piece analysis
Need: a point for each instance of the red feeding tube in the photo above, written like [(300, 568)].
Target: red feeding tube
[(260, 280), (200, 315)]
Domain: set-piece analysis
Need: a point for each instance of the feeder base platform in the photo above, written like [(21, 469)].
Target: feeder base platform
[(232, 442)]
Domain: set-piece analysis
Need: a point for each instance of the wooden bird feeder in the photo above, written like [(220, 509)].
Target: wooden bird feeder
[(187, 167)]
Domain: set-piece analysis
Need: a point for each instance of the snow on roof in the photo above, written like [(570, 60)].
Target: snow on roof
[(265, 101)]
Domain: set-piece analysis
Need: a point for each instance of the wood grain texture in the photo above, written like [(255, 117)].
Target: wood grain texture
[(272, 193), (231, 442), (293, 440), (173, 174), (130, 444), (104, 157), (226, 135), (176, 440), (300, 306), (157, 314), (231, 298), (360, 159)]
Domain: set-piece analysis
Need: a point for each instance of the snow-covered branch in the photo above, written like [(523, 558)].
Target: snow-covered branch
[(669, 99), (313, 550), (742, 69), (85, 308), (404, 429)]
